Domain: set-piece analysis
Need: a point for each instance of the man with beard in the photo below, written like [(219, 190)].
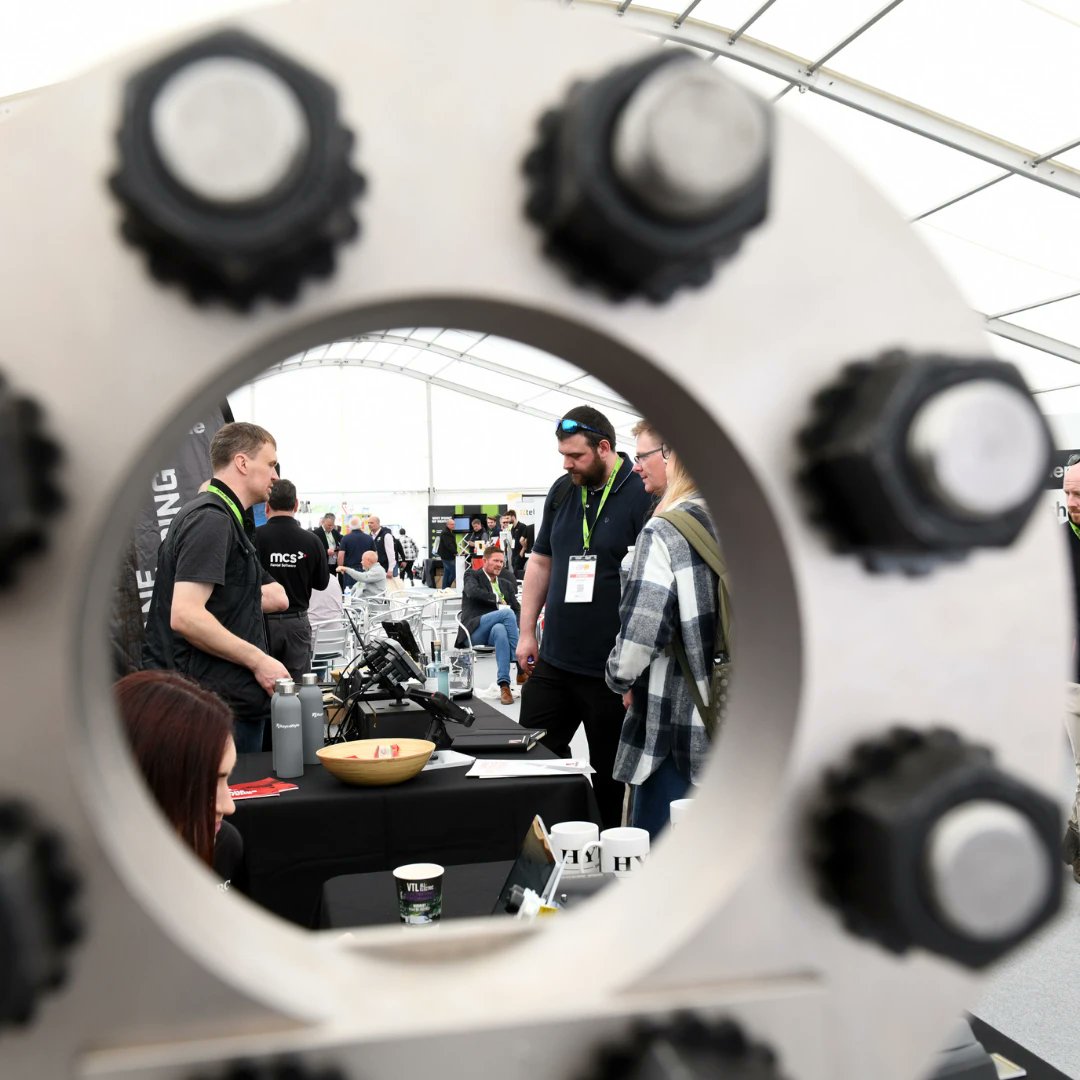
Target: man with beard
[(592, 515)]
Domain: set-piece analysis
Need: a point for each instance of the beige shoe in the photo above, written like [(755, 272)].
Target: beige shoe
[(506, 697)]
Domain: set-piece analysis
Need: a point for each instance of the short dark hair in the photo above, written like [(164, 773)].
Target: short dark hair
[(233, 439), (493, 549), (282, 495), (511, 514), (585, 414)]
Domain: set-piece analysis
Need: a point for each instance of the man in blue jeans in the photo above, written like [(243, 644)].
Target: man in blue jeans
[(489, 611)]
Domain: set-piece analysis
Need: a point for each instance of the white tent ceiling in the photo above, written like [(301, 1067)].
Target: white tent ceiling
[(961, 111)]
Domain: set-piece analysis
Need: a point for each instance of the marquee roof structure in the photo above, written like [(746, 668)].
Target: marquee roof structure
[(960, 111)]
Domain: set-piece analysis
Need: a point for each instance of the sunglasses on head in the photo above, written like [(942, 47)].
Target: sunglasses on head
[(572, 427)]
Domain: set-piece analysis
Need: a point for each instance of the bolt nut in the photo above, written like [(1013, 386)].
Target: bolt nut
[(28, 463), (235, 172), (898, 450), (38, 924), (920, 841), (649, 176)]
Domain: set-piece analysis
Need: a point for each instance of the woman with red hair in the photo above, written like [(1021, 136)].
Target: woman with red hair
[(182, 737)]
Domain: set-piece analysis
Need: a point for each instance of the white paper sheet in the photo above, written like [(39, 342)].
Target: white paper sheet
[(491, 767)]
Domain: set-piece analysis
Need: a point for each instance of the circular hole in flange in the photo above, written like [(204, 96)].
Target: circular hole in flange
[(742, 778)]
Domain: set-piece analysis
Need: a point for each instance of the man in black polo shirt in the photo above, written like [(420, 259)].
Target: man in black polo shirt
[(294, 557), (210, 591), (591, 516)]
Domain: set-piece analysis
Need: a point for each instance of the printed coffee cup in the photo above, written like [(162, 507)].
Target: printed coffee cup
[(419, 889)]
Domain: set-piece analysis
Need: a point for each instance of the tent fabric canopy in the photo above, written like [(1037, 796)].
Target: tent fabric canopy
[(962, 114)]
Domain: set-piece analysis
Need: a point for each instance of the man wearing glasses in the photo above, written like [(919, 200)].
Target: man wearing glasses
[(592, 515)]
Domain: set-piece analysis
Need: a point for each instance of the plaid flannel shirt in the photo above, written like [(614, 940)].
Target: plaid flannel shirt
[(670, 588)]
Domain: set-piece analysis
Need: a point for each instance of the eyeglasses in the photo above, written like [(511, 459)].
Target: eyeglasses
[(572, 427), (661, 449)]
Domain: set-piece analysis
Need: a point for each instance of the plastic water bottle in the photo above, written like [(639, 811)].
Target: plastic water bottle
[(288, 737), (314, 720)]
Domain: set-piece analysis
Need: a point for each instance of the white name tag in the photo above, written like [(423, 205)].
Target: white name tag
[(580, 579)]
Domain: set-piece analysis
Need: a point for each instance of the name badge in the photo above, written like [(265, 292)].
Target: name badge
[(580, 579)]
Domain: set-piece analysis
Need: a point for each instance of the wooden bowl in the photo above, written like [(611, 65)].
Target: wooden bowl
[(355, 762)]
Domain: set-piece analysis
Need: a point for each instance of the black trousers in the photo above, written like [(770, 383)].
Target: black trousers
[(289, 640), (560, 700)]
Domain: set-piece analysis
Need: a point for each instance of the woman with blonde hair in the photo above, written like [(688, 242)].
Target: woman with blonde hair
[(670, 597)]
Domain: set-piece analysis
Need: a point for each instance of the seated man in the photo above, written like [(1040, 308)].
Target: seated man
[(370, 579), (489, 611)]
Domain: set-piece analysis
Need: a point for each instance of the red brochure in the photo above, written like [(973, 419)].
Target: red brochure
[(260, 789)]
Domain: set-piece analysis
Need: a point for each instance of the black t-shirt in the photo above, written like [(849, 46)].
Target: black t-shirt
[(206, 544), (579, 637), (354, 545), (229, 857), (294, 557), (516, 533)]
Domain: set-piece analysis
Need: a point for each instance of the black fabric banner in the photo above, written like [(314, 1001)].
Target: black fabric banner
[(177, 481)]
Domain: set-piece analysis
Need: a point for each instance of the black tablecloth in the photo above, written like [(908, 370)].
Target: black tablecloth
[(297, 840), (371, 899)]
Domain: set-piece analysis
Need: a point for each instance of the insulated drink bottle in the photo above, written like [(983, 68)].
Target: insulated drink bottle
[(314, 720), (288, 740), (273, 721)]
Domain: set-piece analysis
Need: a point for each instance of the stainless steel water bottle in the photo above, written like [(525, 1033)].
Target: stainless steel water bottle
[(313, 717)]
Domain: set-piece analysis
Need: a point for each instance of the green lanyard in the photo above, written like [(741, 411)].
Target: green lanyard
[(495, 589), (228, 502), (1074, 528), (586, 529)]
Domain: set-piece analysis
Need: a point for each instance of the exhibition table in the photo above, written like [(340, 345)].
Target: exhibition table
[(295, 841), (354, 900)]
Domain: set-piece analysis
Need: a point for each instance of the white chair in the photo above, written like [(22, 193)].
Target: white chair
[(480, 650), (329, 640)]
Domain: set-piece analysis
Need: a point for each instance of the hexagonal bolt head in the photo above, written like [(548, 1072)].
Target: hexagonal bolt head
[(914, 459), (650, 175), (235, 172), (921, 841)]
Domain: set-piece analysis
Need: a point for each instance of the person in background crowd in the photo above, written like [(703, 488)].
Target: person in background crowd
[(474, 541), (355, 542), (294, 557), (492, 528), (446, 549), (331, 540), (409, 551), (370, 578), (384, 545), (592, 515), (210, 592), (181, 738), (670, 595), (521, 537), (489, 612), (1070, 487)]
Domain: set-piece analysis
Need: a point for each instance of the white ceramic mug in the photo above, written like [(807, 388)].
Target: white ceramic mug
[(678, 810), (622, 850), (570, 839)]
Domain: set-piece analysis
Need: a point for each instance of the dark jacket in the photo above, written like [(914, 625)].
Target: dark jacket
[(478, 598), (446, 548), (336, 533)]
